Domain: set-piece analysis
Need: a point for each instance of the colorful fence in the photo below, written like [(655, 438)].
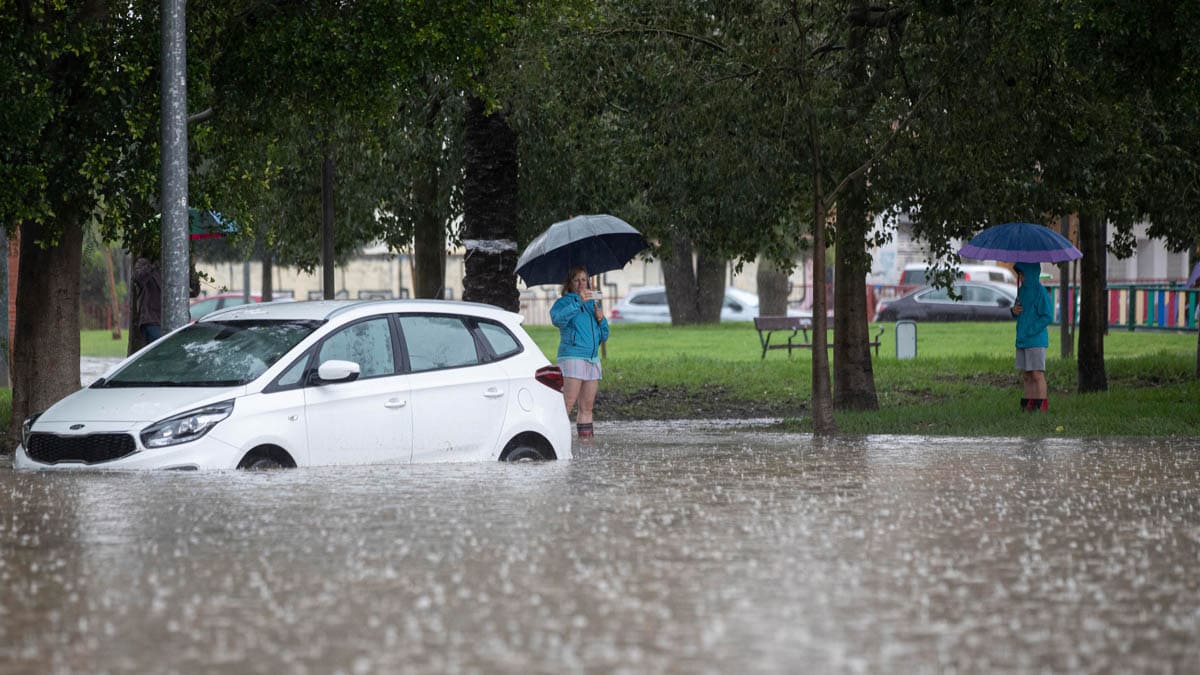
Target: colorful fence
[(1139, 307)]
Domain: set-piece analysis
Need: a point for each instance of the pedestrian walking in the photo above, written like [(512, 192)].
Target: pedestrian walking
[(581, 324), (1034, 312)]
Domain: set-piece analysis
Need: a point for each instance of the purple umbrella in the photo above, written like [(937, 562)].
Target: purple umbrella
[(1020, 242)]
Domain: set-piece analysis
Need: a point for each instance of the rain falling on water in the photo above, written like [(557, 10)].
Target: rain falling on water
[(662, 548)]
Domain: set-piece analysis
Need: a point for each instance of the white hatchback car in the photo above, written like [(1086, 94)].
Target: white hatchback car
[(315, 383), (649, 304)]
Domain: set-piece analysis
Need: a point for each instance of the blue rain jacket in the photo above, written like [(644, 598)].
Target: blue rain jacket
[(579, 334), (1036, 309)]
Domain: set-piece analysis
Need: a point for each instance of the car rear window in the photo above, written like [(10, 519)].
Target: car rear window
[(499, 339), (658, 298)]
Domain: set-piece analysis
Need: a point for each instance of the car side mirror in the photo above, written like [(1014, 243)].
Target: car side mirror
[(334, 370), (1004, 302)]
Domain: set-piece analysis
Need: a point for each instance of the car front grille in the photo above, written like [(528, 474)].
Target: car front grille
[(89, 449)]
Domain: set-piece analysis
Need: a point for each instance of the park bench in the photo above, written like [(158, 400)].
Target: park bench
[(798, 339)]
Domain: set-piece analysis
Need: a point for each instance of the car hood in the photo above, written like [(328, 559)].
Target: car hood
[(136, 404)]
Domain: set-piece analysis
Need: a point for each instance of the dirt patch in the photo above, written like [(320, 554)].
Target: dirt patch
[(661, 403)]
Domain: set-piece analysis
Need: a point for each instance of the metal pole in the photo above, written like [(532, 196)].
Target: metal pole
[(174, 179)]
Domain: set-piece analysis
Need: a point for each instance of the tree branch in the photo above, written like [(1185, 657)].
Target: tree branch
[(201, 116)]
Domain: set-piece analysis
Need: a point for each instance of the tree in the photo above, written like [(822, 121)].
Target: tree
[(78, 129)]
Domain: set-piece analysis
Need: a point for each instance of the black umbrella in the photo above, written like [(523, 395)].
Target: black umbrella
[(600, 243)]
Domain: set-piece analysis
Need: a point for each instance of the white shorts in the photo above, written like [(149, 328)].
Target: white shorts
[(1031, 358), (580, 369)]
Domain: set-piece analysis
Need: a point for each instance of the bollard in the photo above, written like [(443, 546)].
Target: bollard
[(906, 339)]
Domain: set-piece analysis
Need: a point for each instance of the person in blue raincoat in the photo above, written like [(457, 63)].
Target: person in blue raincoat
[(1034, 312), (581, 328)]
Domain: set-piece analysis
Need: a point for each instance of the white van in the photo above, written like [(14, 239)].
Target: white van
[(914, 274)]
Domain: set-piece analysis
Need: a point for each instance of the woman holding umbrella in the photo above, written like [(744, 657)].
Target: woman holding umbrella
[(581, 329)]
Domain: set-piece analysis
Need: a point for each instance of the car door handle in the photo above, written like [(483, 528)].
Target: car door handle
[(493, 393), (395, 403)]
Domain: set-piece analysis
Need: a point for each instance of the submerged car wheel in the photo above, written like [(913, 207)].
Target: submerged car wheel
[(265, 458), (525, 453), (262, 464)]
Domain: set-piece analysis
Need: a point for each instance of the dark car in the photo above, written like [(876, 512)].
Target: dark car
[(978, 301)]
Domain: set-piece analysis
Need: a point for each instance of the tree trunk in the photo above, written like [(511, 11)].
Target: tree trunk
[(327, 238), (772, 283), (136, 341), (1065, 301), (5, 348), (695, 284), (853, 375), (429, 232), (1093, 303), (46, 341), (853, 378), (490, 208), (268, 284), (822, 400)]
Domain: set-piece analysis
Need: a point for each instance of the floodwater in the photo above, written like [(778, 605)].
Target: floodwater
[(662, 548)]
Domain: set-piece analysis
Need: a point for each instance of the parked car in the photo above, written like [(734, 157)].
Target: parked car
[(199, 307), (979, 301), (313, 383), (915, 274), (649, 304)]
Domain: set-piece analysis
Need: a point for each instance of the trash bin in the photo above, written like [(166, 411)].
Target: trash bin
[(906, 339)]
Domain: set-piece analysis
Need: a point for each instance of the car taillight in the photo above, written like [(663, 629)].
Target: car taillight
[(551, 376), (614, 314)]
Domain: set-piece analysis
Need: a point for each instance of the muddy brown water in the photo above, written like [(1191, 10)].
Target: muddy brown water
[(662, 548)]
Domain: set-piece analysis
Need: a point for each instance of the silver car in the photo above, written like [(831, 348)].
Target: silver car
[(649, 304)]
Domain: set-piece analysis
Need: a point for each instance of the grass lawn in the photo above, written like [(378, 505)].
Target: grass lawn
[(962, 382)]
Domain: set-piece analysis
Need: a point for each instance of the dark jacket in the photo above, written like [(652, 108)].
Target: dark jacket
[(147, 291)]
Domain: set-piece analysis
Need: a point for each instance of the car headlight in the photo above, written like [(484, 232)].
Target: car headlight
[(26, 428), (187, 426)]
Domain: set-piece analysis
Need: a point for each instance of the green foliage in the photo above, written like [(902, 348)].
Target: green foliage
[(76, 115)]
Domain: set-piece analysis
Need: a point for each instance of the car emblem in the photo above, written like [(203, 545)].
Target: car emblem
[(76, 426)]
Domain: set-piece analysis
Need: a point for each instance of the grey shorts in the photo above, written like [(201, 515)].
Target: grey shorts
[(1031, 358), (580, 369)]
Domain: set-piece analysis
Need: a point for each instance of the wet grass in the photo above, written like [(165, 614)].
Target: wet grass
[(961, 383), (101, 343)]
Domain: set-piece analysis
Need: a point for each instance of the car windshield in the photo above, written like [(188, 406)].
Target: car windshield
[(212, 354)]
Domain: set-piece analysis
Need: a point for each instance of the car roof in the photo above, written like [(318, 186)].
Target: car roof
[(729, 290), (324, 310), (1008, 289)]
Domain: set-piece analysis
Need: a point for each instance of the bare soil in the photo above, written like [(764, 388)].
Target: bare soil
[(714, 402)]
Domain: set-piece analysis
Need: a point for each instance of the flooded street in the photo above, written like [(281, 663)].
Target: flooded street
[(663, 548)]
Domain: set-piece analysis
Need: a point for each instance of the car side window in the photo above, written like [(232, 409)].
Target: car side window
[(649, 299), (293, 376), (499, 339), (367, 343), (435, 342), (936, 295)]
